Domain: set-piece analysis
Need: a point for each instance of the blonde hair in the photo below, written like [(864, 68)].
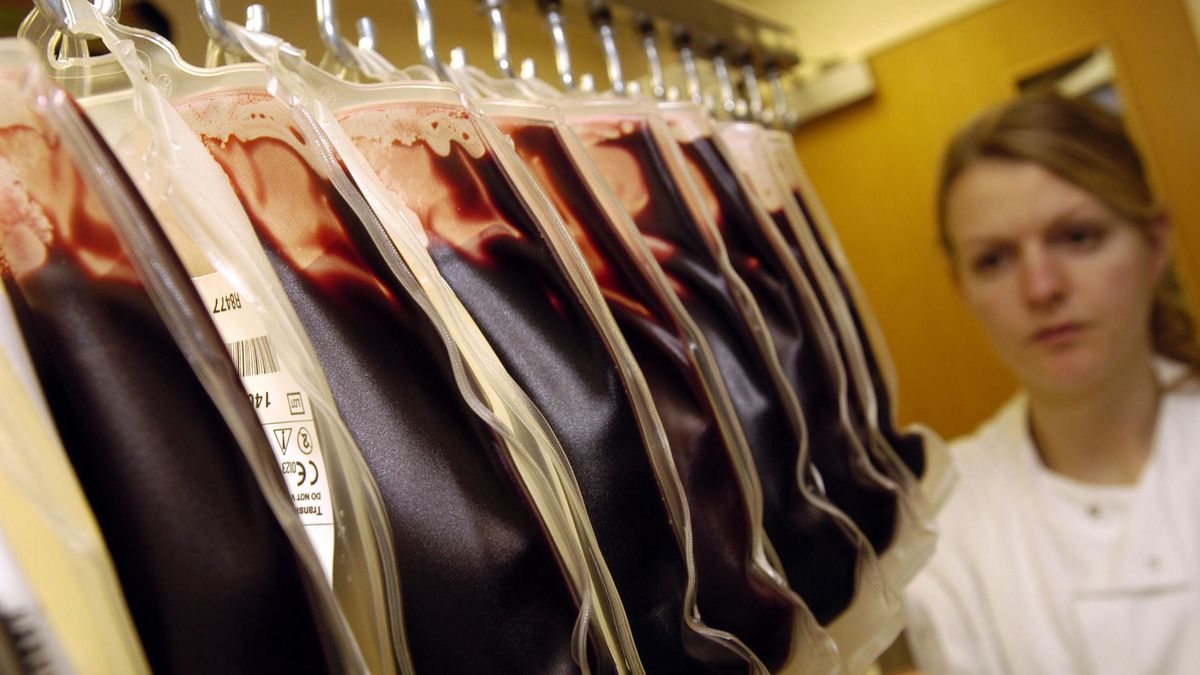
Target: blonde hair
[(1089, 148)]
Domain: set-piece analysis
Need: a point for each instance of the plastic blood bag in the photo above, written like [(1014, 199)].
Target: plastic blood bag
[(212, 579)]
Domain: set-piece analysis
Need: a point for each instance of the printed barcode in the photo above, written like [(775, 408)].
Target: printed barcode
[(29, 644), (255, 356)]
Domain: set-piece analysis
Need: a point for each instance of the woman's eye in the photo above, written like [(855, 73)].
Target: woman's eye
[(988, 261), (1081, 237)]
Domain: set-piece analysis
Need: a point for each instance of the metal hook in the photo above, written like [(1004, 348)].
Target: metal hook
[(753, 93), (645, 27), (109, 8), (331, 34), (494, 9), (59, 15), (55, 11), (528, 69), (425, 39), (256, 18), (724, 84), (214, 26), (366, 34), (779, 94), (683, 45), (601, 17), (562, 56)]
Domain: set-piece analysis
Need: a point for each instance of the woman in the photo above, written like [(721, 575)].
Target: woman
[(1072, 543)]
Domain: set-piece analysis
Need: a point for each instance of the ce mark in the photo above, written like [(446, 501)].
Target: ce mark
[(302, 470)]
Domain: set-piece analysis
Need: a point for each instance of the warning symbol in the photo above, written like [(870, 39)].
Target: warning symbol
[(283, 436)]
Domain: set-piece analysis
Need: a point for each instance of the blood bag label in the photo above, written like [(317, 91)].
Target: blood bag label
[(282, 406)]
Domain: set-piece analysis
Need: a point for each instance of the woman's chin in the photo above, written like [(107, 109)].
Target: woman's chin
[(1064, 372)]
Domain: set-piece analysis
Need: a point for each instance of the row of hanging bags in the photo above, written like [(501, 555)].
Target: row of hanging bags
[(546, 621), (869, 640), (401, 135), (902, 457), (631, 147), (932, 467), (483, 313), (508, 256), (503, 221), (737, 591), (799, 321)]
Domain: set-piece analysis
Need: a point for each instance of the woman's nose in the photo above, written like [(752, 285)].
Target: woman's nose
[(1042, 278)]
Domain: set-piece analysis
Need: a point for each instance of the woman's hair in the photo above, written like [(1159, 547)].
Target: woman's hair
[(1088, 147)]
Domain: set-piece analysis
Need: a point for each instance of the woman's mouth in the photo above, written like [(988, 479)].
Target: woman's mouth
[(1058, 334)]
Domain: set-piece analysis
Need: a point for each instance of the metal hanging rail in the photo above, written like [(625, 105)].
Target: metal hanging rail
[(768, 43)]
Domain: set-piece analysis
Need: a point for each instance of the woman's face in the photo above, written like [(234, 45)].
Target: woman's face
[(1062, 285)]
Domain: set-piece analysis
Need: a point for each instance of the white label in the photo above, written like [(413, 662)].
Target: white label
[(282, 407)]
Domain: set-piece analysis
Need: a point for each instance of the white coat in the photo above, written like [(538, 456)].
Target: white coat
[(1037, 573)]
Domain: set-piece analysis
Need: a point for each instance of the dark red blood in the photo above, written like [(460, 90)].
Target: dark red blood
[(830, 444), (732, 596)]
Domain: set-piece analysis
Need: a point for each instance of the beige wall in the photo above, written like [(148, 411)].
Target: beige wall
[(875, 165), (1194, 11)]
